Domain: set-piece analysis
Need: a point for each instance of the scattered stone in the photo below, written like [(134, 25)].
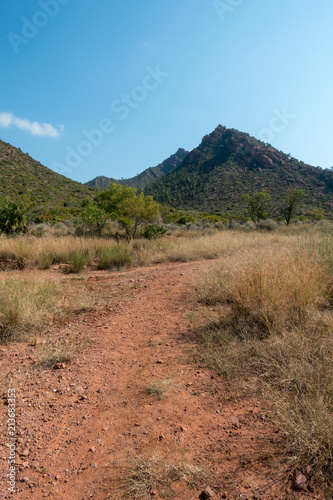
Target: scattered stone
[(182, 428), (235, 421), (92, 449), (25, 453), (59, 366), (161, 437), (57, 477), (25, 480), (207, 494), (300, 482), (154, 493), (79, 389)]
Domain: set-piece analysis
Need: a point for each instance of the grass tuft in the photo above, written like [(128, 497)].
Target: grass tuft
[(159, 388), (25, 303), (115, 256), (157, 473)]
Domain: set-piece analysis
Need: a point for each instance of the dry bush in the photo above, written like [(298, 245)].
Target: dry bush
[(158, 473), (25, 303)]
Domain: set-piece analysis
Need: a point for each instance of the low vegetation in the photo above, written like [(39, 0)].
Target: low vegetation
[(159, 388), (147, 475), (272, 332), (54, 351), (25, 303)]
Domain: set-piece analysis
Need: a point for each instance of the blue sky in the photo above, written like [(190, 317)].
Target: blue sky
[(111, 87)]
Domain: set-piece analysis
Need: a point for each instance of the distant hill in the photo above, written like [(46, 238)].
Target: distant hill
[(227, 164), (146, 177), (20, 174)]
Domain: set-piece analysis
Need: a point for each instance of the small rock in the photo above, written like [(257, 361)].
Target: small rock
[(25, 453), (207, 494), (300, 482), (92, 449), (159, 362), (161, 437), (182, 428), (59, 366), (79, 389), (154, 493), (25, 480), (57, 477), (94, 465), (235, 421)]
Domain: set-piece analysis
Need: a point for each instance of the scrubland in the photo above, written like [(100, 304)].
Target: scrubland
[(266, 304)]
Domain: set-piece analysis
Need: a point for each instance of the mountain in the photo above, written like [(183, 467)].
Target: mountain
[(227, 164), (146, 177), (20, 174)]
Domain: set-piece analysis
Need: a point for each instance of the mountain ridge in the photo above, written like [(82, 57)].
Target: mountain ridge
[(228, 164), (146, 177)]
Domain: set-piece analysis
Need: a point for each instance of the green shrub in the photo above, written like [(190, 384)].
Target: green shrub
[(115, 256), (151, 232), (77, 260)]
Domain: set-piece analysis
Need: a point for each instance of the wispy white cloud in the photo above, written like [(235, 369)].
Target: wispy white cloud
[(8, 120)]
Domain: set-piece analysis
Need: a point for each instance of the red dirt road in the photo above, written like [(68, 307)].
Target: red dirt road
[(78, 426)]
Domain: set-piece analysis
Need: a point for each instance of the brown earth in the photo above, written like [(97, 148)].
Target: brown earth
[(78, 427)]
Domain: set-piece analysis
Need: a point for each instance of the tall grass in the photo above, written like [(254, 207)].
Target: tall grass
[(113, 256), (25, 303), (276, 335), (77, 260), (42, 253)]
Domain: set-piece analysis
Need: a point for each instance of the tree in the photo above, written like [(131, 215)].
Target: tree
[(12, 218), (288, 209), (135, 212), (94, 217), (130, 209), (259, 205), (109, 199)]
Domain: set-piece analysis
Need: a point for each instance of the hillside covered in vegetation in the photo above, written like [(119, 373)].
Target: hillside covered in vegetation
[(229, 164), (22, 175)]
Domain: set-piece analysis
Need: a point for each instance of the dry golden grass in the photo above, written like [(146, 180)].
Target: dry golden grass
[(159, 388), (42, 253), (272, 293), (156, 473), (276, 337), (25, 303), (220, 244), (62, 350)]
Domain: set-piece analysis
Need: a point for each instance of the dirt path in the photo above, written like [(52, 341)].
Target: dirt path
[(78, 426)]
